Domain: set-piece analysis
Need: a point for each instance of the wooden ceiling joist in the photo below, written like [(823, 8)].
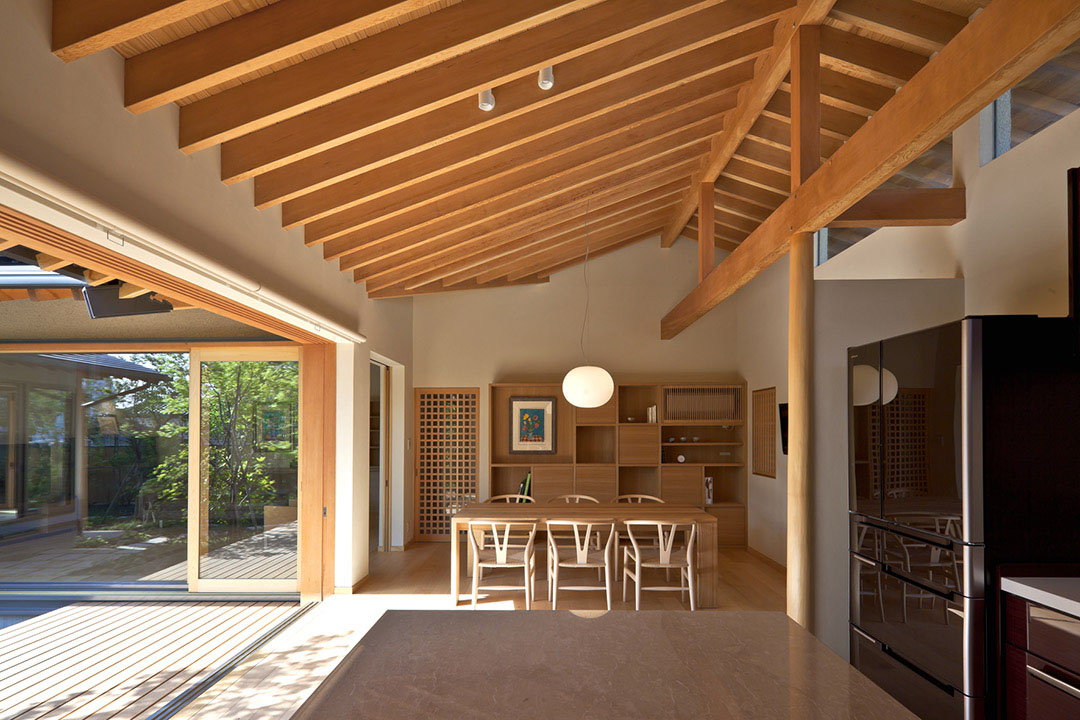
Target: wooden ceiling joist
[(95, 278), (407, 233), (131, 290), (868, 59), (533, 217), (440, 85), (851, 93), (905, 208), (438, 287), (51, 263), (998, 48), (385, 56), (469, 259), (609, 77), (83, 27), (771, 71), (576, 251), (915, 23), (251, 42), (399, 186)]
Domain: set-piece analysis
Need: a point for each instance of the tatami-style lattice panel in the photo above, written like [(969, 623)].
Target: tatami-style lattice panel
[(906, 442), (764, 435), (703, 403), (446, 462)]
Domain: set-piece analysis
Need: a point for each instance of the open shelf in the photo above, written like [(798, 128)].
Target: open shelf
[(728, 485), (506, 479), (634, 402), (639, 479)]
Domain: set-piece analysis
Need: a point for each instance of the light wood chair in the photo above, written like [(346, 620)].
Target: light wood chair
[(663, 552), (502, 555), (512, 498), (574, 498), (637, 498), (590, 549)]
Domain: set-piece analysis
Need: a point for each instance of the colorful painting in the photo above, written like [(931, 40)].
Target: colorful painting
[(532, 425), (275, 425)]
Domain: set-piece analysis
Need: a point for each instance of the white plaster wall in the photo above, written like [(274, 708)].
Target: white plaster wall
[(471, 339)]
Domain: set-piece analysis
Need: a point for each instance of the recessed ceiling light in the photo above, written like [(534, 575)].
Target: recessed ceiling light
[(487, 100), (546, 81)]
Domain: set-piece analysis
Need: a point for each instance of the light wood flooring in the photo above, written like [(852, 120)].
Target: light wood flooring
[(121, 660), (276, 681)]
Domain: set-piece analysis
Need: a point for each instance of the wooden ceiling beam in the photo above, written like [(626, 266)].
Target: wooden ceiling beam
[(735, 204), (637, 66), (84, 27), (594, 254), (767, 156), (404, 184), (440, 85), (868, 59), (851, 93), (463, 248), (998, 48), (404, 231), (95, 278), (905, 208), (736, 188), (470, 258), (915, 23), (771, 70), (574, 253), (385, 56), (644, 214), (757, 176), (129, 291), (488, 230), (250, 42), (437, 287), (725, 236), (835, 122), (50, 263)]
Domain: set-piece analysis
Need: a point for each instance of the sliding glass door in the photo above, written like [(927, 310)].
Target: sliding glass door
[(243, 496)]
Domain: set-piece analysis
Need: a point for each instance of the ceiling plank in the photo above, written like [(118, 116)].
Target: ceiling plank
[(468, 259), (868, 59), (488, 230), (253, 41), (851, 93), (585, 86), (95, 278), (836, 122), (506, 194), (422, 178), (887, 207), (456, 79), (382, 57), (51, 263), (131, 290), (998, 48), (574, 253), (551, 270), (725, 237), (463, 249), (84, 27), (916, 23), (771, 71), (388, 293)]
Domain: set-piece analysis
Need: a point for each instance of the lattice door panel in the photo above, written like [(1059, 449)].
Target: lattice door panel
[(446, 457), (907, 457), (764, 428)]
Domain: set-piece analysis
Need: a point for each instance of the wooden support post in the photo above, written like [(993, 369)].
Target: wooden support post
[(805, 157), (706, 229)]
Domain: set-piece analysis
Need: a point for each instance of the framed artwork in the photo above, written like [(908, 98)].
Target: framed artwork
[(107, 425), (275, 425), (532, 425)]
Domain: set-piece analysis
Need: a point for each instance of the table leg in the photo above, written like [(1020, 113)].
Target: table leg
[(455, 569), (707, 559)]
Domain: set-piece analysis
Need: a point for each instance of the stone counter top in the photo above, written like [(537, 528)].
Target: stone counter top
[(625, 665), (1058, 593)]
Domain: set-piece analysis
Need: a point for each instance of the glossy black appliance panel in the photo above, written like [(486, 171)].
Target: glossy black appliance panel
[(864, 389)]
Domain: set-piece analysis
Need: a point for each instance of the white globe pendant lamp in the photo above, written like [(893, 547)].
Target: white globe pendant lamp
[(868, 384), (587, 386)]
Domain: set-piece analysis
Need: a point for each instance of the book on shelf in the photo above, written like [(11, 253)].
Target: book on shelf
[(650, 414), (526, 487)]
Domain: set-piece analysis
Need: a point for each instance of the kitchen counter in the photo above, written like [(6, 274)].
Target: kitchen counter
[(1058, 593), (672, 664)]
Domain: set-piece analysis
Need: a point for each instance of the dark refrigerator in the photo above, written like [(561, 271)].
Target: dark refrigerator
[(964, 443)]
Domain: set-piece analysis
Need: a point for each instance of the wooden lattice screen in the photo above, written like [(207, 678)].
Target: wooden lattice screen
[(707, 403), (446, 457), (907, 456), (764, 432)]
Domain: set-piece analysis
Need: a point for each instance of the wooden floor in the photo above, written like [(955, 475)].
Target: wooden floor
[(274, 682), (121, 660), (269, 555)]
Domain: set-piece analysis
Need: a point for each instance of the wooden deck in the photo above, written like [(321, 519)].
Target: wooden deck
[(121, 660), (269, 555)]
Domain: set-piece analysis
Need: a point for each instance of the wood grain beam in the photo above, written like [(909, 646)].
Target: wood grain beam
[(129, 291), (469, 259), (440, 85), (549, 271), (906, 208), (250, 42), (50, 263), (504, 226), (385, 56), (725, 237), (868, 59), (401, 185), (915, 23), (399, 292), (84, 27), (473, 208), (771, 71), (95, 278), (646, 63), (998, 48), (575, 252)]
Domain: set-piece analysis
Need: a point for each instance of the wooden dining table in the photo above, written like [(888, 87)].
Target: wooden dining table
[(542, 513)]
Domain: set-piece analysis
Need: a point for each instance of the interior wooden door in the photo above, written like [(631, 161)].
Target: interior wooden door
[(446, 457), (243, 470)]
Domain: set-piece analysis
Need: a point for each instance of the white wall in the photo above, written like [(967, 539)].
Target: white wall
[(69, 120), (470, 339)]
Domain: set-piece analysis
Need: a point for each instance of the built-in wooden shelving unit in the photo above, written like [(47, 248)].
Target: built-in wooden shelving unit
[(614, 449)]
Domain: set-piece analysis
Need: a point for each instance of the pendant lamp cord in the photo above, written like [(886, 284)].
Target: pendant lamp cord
[(585, 273)]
